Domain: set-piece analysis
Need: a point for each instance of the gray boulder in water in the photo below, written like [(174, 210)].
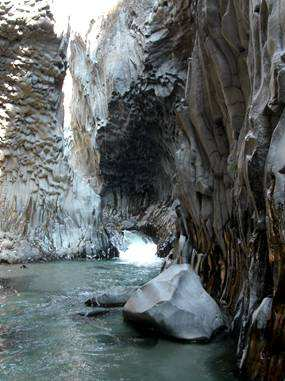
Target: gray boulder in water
[(116, 297), (176, 304)]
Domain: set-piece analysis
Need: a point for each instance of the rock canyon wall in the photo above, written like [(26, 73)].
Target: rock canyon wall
[(177, 128), (48, 208), (184, 100)]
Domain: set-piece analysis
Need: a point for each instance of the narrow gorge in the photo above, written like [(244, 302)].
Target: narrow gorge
[(154, 121)]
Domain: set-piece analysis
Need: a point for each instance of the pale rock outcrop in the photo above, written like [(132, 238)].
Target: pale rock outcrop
[(48, 209), (123, 113)]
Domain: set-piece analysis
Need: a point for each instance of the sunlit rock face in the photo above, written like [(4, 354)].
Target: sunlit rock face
[(185, 100), (47, 208), (122, 112)]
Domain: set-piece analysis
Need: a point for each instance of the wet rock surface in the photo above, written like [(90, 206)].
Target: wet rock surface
[(175, 304), (131, 107), (116, 297), (95, 313)]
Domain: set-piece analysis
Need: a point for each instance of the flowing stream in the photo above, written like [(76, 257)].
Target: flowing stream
[(43, 338)]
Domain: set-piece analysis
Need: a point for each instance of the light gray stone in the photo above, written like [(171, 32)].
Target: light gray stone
[(49, 208), (176, 304)]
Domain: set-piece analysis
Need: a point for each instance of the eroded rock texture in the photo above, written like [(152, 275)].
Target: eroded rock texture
[(48, 209), (232, 195), (128, 124), (185, 99), (172, 100)]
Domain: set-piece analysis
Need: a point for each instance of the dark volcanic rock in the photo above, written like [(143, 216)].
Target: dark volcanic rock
[(171, 100), (128, 115), (116, 297), (95, 313)]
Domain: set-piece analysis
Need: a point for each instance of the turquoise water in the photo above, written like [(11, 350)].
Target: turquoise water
[(43, 338)]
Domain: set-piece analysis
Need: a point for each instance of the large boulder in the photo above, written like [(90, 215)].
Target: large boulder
[(176, 304)]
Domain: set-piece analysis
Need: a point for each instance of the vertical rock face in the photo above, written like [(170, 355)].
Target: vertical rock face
[(47, 208), (186, 99), (233, 196), (171, 100), (123, 117)]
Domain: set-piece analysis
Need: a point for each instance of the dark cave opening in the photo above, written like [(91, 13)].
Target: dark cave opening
[(137, 152)]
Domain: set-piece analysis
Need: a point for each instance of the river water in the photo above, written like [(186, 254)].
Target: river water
[(43, 338)]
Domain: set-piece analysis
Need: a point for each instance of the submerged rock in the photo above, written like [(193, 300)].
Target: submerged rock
[(95, 313), (176, 304), (116, 297)]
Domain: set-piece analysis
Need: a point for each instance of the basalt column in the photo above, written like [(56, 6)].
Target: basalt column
[(183, 103), (127, 75), (47, 208), (230, 169)]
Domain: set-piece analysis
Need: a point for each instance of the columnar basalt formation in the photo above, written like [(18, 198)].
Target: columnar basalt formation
[(48, 209), (177, 105), (233, 196), (185, 100), (128, 124)]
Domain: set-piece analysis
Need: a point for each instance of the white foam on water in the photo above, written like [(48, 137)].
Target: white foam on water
[(140, 250)]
